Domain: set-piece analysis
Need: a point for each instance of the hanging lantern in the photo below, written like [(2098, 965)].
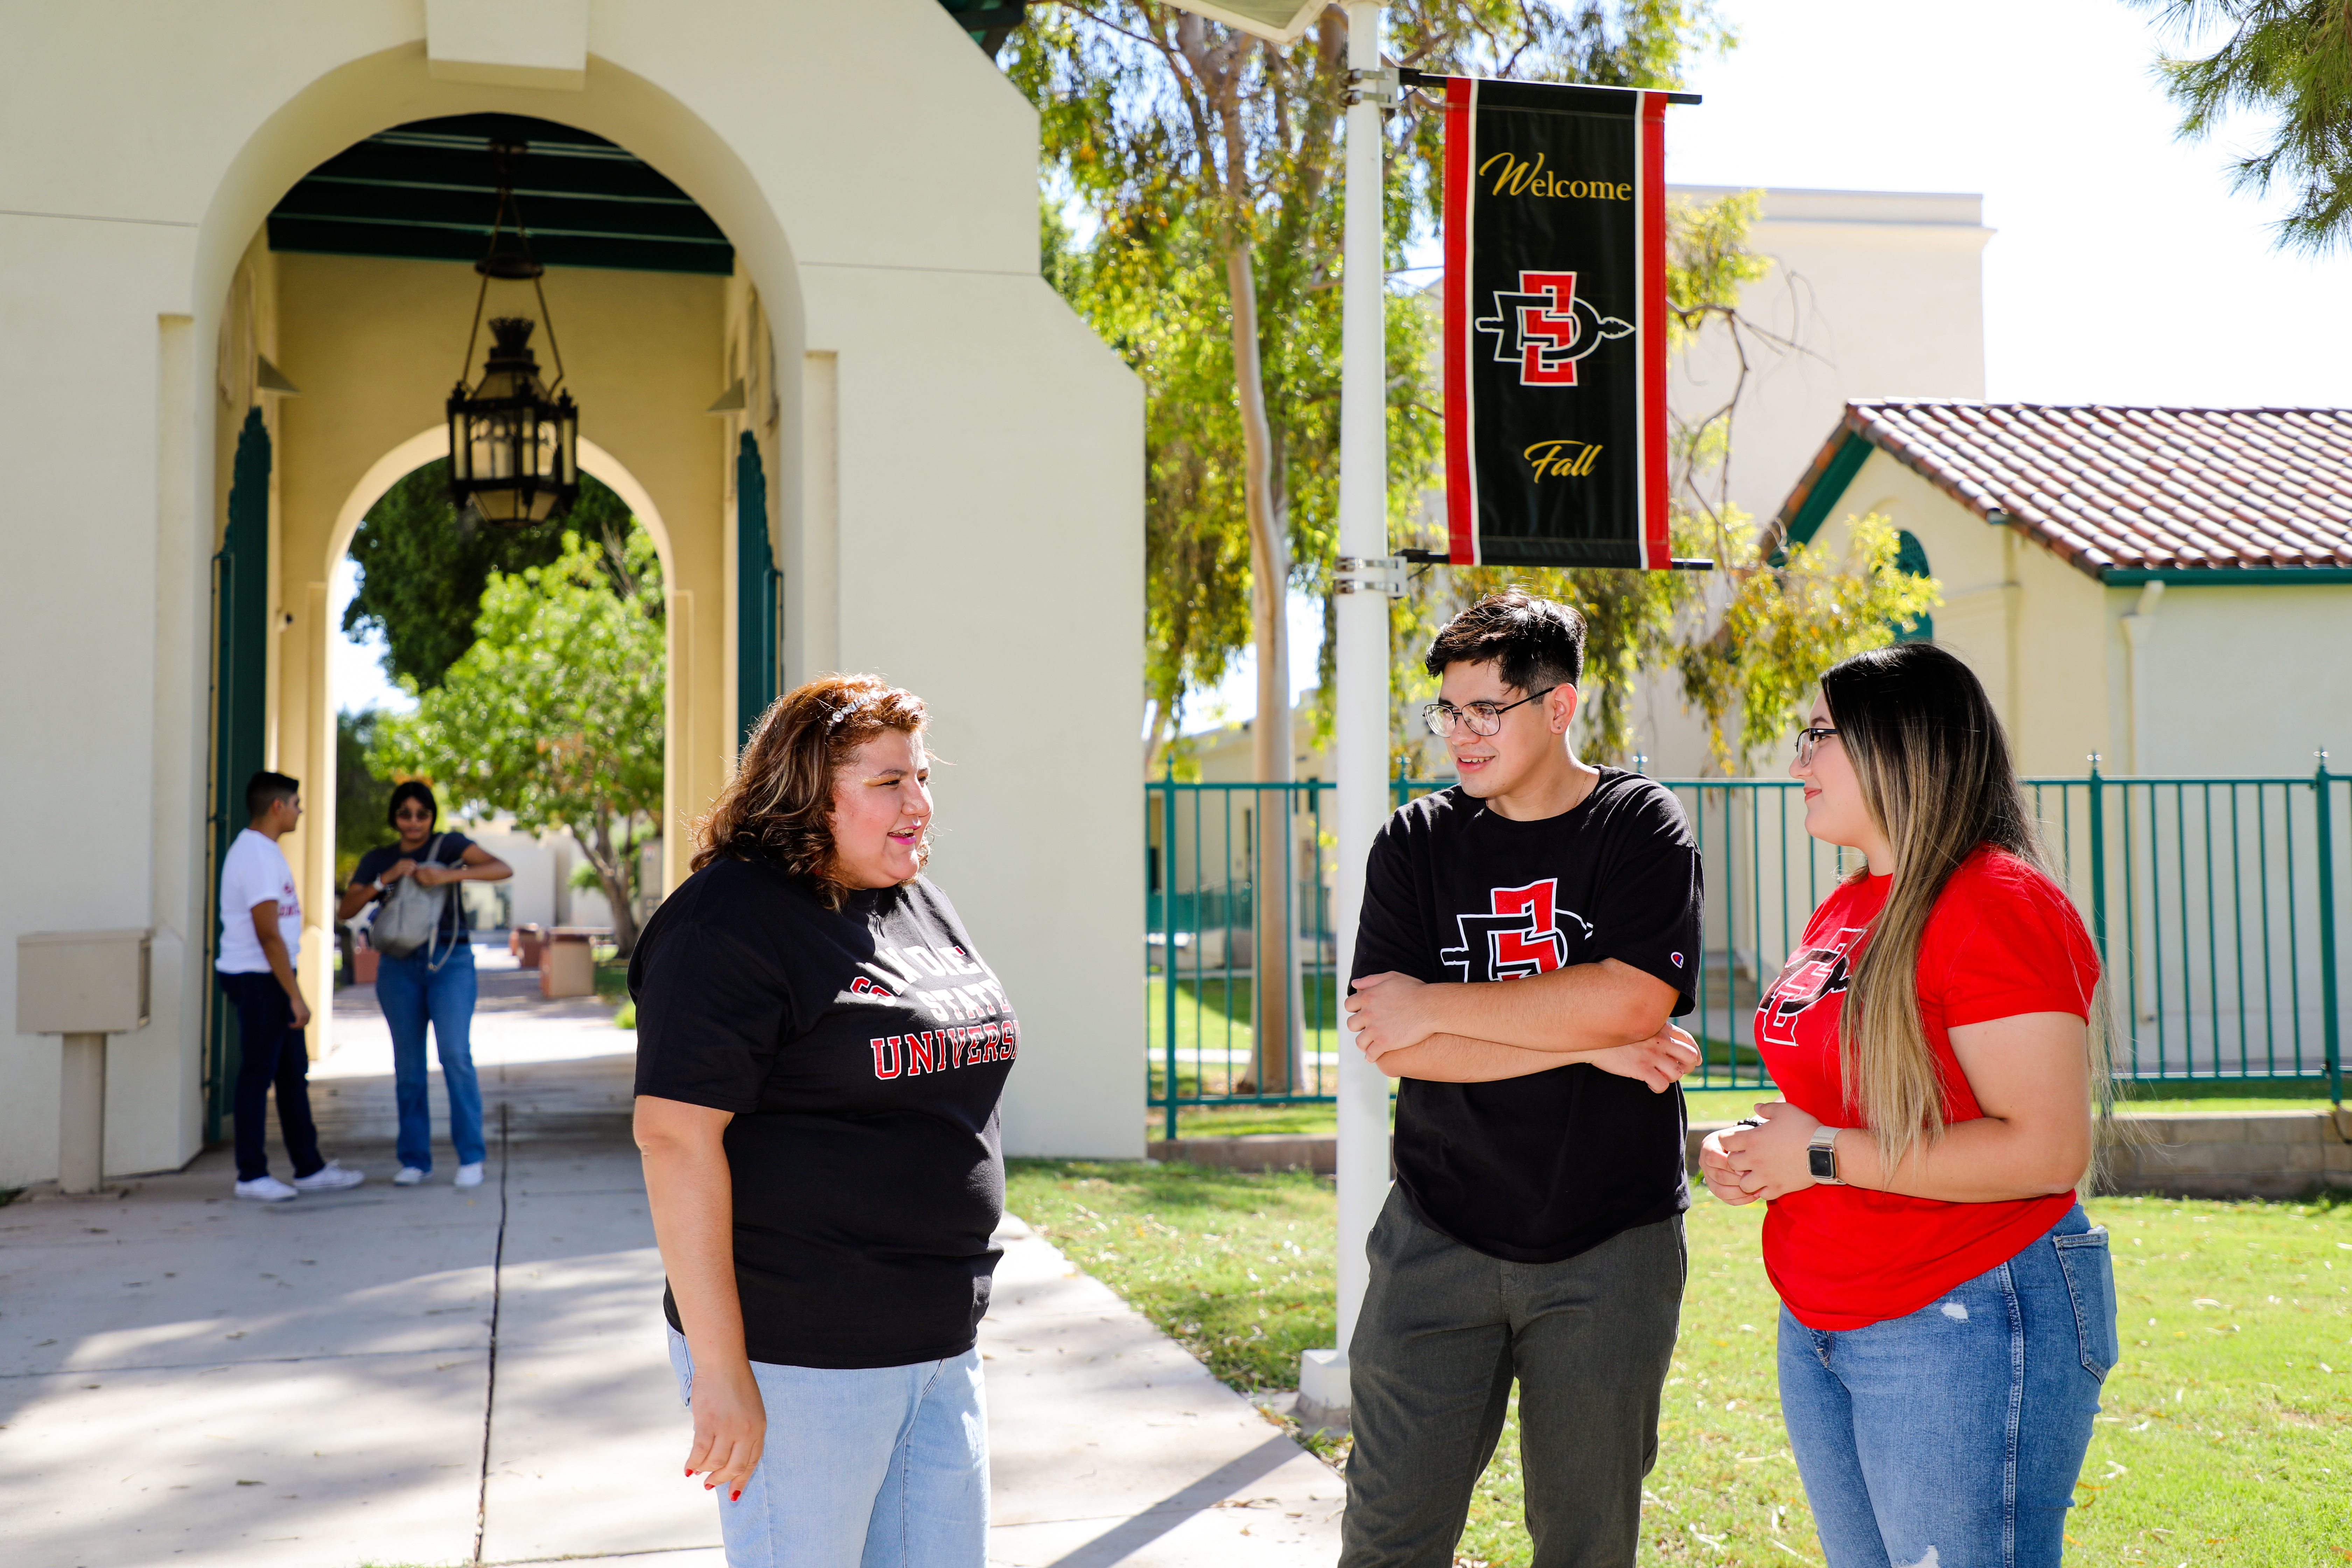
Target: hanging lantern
[(513, 450), (514, 441)]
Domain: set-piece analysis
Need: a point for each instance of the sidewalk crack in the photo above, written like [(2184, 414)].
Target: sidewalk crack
[(498, 1281)]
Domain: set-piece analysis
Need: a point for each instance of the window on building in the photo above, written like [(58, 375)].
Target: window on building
[(1911, 560)]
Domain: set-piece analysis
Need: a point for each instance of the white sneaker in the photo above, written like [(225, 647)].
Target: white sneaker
[(328, 1177), (266, 1189), (409, 1177), (469, 1176)]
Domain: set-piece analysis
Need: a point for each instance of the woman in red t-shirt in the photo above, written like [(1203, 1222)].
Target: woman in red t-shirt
[(1948, 1308)]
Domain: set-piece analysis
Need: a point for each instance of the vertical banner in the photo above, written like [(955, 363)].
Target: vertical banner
[(1555, 326)]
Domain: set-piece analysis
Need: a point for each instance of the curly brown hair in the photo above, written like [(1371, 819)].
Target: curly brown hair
[(776, 808)]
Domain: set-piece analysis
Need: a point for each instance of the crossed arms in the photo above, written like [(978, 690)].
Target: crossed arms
[(1608, 1013)]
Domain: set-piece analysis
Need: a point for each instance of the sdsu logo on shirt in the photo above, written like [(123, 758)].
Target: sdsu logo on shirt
[(1814, 973), (1518, 935)]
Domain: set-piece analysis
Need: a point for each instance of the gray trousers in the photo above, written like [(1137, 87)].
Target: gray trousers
[(1445, 1330)]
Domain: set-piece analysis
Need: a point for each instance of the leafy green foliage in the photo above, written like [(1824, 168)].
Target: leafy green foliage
[(554, 715), (423, 568), (362, 798), (2290, 62), (2224, 1442)]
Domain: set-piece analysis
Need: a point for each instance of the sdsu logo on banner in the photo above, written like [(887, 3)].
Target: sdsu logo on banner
[(1555, 326)]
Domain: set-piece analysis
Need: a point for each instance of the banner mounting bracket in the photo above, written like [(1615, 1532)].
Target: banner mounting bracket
[(1382, 575)]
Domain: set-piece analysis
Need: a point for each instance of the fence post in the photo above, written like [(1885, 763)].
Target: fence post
[(2330, 1022), (2099, 862), (1168, 933)]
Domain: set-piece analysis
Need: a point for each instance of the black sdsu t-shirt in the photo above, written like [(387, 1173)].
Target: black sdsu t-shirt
[(863, 1053), (1539, 1168)]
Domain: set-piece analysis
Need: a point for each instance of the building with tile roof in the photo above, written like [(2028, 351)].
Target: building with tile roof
[(2170, 588)]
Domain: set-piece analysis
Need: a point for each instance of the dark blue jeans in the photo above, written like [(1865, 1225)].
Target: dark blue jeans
[(1954, 1436), (270, 1054), (413, 994)]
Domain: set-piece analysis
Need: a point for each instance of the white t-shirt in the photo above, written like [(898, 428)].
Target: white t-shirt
[(254, 873)]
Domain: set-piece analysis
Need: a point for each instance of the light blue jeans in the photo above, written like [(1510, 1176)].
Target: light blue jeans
[(412, 995), (1952, 1438), (881, 1466)]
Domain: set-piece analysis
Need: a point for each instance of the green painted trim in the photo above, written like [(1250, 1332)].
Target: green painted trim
[(240, 690), (1830, 488), (758, 593), (2227, 576)]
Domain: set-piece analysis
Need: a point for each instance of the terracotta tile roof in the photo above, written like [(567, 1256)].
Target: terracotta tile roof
[(2148, 488)]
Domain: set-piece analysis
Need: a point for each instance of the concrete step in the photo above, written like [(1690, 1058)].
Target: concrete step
[(2227, 1154)]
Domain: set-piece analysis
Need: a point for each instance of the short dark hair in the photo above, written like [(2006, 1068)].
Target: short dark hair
[(266, 789), (1535, 642), (408, 790)]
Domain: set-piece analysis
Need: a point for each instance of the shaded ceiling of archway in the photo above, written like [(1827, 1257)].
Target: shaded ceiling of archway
[(428, 190)]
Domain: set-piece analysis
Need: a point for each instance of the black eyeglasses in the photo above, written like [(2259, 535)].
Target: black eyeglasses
[(1484, 718), (1809, 741)]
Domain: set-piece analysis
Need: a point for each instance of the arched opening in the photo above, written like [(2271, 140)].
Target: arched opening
[(348, 315)]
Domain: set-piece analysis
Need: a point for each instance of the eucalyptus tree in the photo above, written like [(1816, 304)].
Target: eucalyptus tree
[(1207, 163)]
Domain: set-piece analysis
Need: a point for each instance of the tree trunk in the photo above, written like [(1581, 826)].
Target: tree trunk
[(1278, 1015), (613, 875)]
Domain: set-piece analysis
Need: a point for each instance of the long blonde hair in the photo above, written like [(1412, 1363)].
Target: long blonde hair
[(1936, 775)]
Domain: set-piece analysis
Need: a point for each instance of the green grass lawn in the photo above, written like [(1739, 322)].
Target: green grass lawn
[(1706, 1105), (2227, 1438)]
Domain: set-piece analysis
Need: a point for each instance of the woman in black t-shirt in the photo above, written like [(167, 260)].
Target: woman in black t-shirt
[(820, 1055), (434, 985)]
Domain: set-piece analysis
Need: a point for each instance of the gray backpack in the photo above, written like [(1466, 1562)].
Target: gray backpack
[(411, 916)]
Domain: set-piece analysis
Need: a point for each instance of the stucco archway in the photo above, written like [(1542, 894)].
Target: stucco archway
[(362, 336)]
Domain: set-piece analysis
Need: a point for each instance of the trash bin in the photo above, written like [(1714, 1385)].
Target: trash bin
[(567, 963), (363, 959), (526, 942)]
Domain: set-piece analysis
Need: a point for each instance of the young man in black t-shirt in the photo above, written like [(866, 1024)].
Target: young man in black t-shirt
[(1524, 938)]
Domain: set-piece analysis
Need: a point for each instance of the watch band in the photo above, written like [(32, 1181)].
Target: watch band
[(1821, 1155)]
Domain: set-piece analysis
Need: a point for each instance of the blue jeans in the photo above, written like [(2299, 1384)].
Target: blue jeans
[(270, 1054), (882, 1466), (1952, 1437), (411, 995)]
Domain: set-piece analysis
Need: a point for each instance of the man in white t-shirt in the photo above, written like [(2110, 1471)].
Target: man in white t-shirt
[(261, 935)]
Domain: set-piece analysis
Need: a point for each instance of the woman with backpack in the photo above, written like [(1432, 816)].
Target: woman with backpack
[(1947, 1310), (424, 973)]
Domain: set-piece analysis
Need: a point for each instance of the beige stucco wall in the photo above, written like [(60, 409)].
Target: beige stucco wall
[(2237, 680), (972, 523)]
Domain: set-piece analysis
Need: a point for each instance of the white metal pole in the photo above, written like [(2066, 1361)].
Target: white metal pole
[(1360, 746)]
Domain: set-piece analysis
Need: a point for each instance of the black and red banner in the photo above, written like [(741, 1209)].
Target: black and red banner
[(1555, 326)]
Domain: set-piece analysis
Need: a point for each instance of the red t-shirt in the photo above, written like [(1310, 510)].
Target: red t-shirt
[(2002, 940)]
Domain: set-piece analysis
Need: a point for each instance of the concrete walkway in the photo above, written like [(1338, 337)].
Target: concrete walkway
[(421, 1376)]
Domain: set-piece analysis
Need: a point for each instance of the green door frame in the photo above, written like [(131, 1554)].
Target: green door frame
[(240, 690), (759, 588)]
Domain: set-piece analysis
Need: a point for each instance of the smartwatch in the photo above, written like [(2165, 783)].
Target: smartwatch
[(1821, 1155)]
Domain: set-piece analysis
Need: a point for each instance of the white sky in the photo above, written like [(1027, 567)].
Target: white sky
[(356, 679), (2123, 269)]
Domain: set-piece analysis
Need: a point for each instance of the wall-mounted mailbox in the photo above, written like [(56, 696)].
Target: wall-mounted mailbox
[(81, 982), (85, 985)]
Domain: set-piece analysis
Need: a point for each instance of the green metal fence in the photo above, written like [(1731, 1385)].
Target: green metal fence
[(2213, 903)]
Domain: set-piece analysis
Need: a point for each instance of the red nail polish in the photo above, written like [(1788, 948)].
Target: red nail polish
[(736, 1496)]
